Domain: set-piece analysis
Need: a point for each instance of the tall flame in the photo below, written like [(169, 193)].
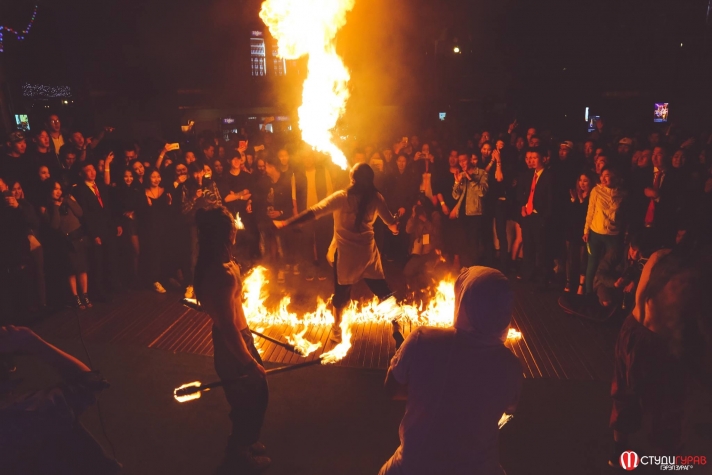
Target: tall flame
[(308, 28)]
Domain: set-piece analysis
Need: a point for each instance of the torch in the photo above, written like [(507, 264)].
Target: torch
[(192, 391)]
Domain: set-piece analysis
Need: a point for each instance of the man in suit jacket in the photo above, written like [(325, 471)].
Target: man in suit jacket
[(657, 196), (536, 196), (99, 224)]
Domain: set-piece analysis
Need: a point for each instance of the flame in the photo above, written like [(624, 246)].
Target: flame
[(238, 222), (438, 312), (188, 397), (308, 28)]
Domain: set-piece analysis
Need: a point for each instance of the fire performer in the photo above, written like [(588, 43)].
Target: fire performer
[(218, 287), (459, 382), (353, 251)]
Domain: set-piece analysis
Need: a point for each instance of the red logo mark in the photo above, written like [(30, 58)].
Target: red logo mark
[(629, 460)]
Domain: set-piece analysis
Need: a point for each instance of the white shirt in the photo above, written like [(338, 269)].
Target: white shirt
[(312, 197), (457, 392)]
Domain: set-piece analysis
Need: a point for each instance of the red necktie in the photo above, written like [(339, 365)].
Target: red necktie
[(529, 209), (98, 196), (650, 213)]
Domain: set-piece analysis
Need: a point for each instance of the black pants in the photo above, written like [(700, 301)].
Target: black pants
[(534, 237), (342, 293), (248, 401), (103, 271), (500, 224), (474, 234)]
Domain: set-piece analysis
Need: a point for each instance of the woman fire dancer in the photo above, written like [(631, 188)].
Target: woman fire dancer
[(353, 250), (218, 287)]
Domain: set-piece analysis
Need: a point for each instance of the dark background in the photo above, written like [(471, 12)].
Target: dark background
[(136, 62)]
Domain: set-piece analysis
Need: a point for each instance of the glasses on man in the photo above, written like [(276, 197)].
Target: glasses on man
[(54, 121)]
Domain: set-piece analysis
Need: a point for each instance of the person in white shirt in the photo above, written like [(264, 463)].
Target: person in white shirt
[(604, 222), (459, 382)]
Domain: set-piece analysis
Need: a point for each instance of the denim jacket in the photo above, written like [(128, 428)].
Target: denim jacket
[(476, 190)]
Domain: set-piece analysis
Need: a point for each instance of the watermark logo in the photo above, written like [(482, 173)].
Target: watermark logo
[(629, 460)]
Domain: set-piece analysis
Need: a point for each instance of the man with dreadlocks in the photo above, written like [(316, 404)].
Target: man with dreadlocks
[(353, 250), (218, 288)]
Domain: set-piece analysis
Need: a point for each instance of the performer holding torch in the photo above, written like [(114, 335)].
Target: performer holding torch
[(218, 288), (353, 251)]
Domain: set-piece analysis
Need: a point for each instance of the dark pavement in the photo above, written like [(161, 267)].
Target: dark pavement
[(320, 421)]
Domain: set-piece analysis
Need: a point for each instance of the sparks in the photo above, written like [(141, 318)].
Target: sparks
[(308, 28)]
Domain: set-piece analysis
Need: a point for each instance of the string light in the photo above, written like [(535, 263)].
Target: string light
[(44, 91), (21, 34)]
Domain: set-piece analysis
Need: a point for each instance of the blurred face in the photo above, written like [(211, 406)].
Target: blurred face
[(261, 166), (401, 162), (584, 183), (42, 140), (520, 144), (43, 173), (464, 162), (70, 158), (601, 162), (189, 157), (564, 152), (425, 149), (608, 179), (209, 152), (531, 133), (57, 192), (678, 160), (388, 155), (658, 157), (597, 153), (283, 157), (217, 165), (588, 149), (207, 171), (359, 158), (654, 139), (139, 169), (221, 152), (537, 161), (19, 147), (623, 149), (645, 158), (486, 151), (528, 160), (535, 142), (485, 136), (499, 145), (236, 162), (54, 124), (130, 155), (89, 173), (128, 177), (452, 158), (155, 178), (17, 191), (249, 158), (474, 161), (376, 163), (181, 170), (78, 139)]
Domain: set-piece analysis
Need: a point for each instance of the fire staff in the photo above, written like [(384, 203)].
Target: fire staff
[(218, 287), (353, 251)]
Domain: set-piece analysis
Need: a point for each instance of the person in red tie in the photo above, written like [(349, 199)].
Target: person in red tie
[(535, 193), (93, 197)]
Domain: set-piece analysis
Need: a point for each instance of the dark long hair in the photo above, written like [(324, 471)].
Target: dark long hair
[(215, 233), (363, 188)]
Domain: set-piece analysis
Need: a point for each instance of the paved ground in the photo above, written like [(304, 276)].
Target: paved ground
[(321, 420)]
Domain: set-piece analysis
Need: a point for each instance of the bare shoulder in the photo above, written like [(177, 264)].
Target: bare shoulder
[(220, 277)]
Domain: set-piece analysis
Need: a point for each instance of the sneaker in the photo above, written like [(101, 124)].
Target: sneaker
[(280, 277), (310, 278), (77, 303), (86, 301), (322, 278), (159, 288), (189, 293), (295, 269), (335, 333)]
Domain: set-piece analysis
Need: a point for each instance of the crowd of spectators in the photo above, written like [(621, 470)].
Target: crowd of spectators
[(83, 217)]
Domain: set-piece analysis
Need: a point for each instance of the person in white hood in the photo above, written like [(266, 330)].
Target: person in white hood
[(459, 382)]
